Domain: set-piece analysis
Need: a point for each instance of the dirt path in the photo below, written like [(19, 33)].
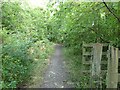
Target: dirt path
[(56, 76)]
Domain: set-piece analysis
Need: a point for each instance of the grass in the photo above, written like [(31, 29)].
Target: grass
[(74, 65), (41, 54), (37, 73)]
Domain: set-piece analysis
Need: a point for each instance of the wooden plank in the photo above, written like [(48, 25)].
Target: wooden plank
[(87, 53), (86, 71), (105, 44), (92, 44), (98, 54), (104, 53), (112, 73), (88, 45), (91, 53), (104, 62), (87, 62), (90, 62)]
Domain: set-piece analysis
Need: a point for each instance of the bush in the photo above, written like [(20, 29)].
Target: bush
[(15, 64)]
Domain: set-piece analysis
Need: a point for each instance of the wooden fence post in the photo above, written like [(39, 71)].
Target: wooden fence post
[(86, 62), (112, 73), (96, 65), (91, 63)]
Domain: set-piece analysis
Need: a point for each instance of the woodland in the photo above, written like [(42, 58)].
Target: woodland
[(27, 36)]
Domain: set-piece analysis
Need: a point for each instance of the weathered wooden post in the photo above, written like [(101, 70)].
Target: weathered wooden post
[(92, 57), (86, 62), (96, 65), (112, 73)]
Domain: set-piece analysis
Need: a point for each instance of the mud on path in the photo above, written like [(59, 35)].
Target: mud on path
[(56, 75)]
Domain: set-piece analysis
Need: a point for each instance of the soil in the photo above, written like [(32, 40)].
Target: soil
[(57, 76)]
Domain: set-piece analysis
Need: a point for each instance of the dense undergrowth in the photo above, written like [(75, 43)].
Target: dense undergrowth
[(25, 48), (41, 53), (28, 36), (73, 64)]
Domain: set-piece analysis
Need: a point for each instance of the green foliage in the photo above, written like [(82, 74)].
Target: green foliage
[(11, 15), (88, 22), (23, 29), (26, 34), (76, 22), (41, 52)]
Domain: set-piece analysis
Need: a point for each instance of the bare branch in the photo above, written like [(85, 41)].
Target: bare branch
[(111, 11)]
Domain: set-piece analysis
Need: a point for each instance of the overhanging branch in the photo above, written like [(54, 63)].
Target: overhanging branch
[(111, 11)]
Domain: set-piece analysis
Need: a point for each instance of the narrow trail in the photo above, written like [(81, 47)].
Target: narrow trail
[(56, 75)]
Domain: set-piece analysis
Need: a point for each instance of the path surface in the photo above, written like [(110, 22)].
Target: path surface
[(56, 76)]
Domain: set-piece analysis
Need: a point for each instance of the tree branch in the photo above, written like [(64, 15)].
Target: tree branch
[(111, 11)]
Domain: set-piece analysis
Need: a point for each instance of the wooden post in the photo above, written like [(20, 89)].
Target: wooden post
[(83, 59), (94, 71), (112, 73), (84, 62), (96, 65)]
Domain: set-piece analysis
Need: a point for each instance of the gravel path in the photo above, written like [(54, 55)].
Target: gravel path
[(56, 76)]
